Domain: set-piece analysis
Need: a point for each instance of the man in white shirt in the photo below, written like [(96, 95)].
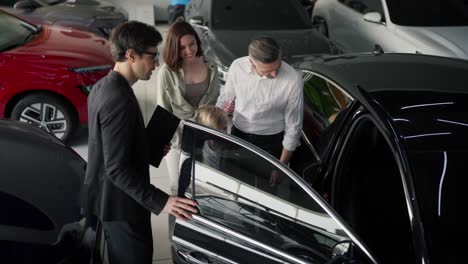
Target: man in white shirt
[(265, 96)]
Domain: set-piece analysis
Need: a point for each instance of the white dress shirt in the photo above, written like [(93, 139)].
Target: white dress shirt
[(265, 106)]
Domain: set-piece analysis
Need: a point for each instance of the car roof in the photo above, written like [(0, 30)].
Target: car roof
[(375, 72), (425, 98)]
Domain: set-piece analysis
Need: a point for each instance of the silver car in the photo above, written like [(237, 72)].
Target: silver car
[(436, 27)]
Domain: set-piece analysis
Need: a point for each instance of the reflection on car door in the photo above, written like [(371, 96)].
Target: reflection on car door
[(326, 106), (242, 217)]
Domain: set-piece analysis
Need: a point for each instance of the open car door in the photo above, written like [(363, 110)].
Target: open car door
[(253, 209)]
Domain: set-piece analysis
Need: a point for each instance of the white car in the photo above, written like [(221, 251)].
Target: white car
[(436, 27)]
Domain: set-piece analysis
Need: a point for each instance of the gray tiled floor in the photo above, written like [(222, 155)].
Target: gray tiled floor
[(146, 94)]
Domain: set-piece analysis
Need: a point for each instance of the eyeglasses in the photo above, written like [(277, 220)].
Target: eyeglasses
[(154, 54)]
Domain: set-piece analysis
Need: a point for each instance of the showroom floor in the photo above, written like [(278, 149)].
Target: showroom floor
[(146, 94)]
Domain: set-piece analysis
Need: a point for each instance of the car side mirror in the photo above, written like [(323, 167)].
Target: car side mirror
[(374, 17), (25, 4), (196, 20)]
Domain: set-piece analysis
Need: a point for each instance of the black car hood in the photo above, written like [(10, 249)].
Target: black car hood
[(229, 44)]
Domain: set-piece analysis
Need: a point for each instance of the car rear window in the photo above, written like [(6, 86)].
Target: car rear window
[(259, 15), (428, 13)]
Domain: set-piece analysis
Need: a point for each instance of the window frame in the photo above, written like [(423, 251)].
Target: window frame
[(361, 115), (307, 75), (206, 222)]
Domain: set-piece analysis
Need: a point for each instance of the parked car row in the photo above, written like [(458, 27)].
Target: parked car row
[(435, 27), (379, 178), (225, 38)]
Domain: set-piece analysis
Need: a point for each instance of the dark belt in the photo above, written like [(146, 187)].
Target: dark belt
[(270, 143), (254, 137)]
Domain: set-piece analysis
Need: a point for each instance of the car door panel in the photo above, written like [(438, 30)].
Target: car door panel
[(372, 33), (194, 236), (238, 208), (353, 33)]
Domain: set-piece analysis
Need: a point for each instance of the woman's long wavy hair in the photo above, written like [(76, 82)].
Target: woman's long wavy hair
[(172, 46)]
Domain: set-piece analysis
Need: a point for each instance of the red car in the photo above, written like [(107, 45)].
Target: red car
[(46, 73)]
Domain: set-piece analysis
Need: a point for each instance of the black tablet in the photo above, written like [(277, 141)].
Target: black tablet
[(160, 130)]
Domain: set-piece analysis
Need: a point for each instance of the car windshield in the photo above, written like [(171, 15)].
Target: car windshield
[(15, 32), (259, 15), (428, 13)]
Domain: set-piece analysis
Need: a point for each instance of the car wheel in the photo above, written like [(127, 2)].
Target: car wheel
[(47, 112)]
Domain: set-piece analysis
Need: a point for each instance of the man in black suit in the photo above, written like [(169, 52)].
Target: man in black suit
[(117, 176)]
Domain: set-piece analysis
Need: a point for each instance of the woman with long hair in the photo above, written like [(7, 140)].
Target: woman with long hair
[(185, 82)]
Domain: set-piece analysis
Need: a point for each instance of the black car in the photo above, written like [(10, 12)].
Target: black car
[(379, 176), (95, 16), (226, 27), (40, 184)]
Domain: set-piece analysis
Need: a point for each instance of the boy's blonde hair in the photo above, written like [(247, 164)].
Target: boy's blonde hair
[(211, 116)]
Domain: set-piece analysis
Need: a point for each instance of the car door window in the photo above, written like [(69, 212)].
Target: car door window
[(364, 6), (368, 192), (325, 106), (235, 189)]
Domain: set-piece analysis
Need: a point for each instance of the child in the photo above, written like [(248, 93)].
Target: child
[(212, 116)]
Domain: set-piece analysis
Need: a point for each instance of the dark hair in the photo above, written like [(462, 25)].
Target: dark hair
[(264, 49), (172, 46), (133, 35)]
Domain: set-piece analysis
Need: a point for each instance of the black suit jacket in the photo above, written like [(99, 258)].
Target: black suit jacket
[(117, 179)]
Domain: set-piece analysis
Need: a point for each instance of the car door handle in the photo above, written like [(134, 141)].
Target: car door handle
[(194, 257)]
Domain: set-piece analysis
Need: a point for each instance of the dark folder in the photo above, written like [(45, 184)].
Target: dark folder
[(160, 130)]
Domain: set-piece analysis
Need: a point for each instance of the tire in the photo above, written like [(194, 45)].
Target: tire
[(47, 112)]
